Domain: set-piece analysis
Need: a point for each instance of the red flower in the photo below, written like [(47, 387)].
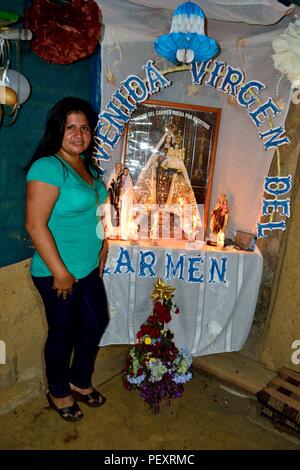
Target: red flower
[(139, 334), (163, 312), (155, 333)]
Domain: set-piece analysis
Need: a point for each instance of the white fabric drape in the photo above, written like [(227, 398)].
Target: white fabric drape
[(263, 12), (214, 316)]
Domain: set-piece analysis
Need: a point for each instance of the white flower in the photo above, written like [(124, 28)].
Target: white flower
[(214, 328), (287, 53)]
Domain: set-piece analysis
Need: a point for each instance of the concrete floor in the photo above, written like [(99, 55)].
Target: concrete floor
[(209, 416)]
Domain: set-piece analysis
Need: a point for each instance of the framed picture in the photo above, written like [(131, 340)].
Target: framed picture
[(161, 132)]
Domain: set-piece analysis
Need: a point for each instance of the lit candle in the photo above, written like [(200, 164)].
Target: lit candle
[(220, 239)]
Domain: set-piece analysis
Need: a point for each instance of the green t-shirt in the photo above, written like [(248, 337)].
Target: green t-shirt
[(76, 229)]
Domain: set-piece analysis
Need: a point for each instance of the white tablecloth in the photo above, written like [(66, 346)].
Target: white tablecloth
[(216, 292)]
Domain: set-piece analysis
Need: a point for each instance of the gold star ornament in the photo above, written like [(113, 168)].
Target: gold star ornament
[(162, 291)]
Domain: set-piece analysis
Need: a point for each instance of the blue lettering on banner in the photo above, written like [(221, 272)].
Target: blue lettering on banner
[(283, 185), (194, 269), (262, 110), (275, 204), (144, 265), (124, 100), (112, 120), (100, 151), (113, 115), (197, 75), (187, 269), (214, 268), (247, 89), (170, 265), (275, 186), (246, 97), (276, 137), (136, 88), (231, 80), (155, 78), (262, 227), (124, 261), (215, 74)]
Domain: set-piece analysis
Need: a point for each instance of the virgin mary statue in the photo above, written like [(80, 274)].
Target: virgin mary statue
[(164, 181)]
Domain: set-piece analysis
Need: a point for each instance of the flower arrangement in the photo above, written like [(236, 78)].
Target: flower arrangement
[(154, 365)]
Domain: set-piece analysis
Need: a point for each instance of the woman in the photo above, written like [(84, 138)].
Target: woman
[(63, 191)]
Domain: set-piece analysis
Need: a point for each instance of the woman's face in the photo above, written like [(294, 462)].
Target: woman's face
[(77, 135), (168, 139)]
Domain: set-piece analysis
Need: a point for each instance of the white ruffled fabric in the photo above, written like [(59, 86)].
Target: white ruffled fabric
[(287, 53)]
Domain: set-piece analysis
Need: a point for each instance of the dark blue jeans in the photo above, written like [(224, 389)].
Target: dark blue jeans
[(75, 326)]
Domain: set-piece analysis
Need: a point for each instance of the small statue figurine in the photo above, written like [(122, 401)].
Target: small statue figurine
[(112, 206), (114, 186), (219, 218)]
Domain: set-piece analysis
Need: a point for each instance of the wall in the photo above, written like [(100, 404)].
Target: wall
[(276, 322), (49, 83), (283, 325), (22, 326)]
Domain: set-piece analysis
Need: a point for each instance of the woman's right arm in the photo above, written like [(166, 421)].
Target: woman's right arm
[(40, 200)]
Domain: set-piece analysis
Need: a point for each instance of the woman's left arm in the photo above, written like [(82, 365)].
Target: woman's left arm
[(103, 256), (102, 199)]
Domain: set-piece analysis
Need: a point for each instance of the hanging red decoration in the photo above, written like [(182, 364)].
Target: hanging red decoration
[(63, 33)]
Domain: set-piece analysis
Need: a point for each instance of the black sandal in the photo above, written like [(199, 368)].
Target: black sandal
[(68, 413), (92, 399)]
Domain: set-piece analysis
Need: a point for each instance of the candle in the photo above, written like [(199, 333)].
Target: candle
[(220, 239)]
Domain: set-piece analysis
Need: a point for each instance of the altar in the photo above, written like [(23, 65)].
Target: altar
[(216, 292)]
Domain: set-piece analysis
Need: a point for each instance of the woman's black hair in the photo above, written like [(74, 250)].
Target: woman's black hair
[(52, 139)]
